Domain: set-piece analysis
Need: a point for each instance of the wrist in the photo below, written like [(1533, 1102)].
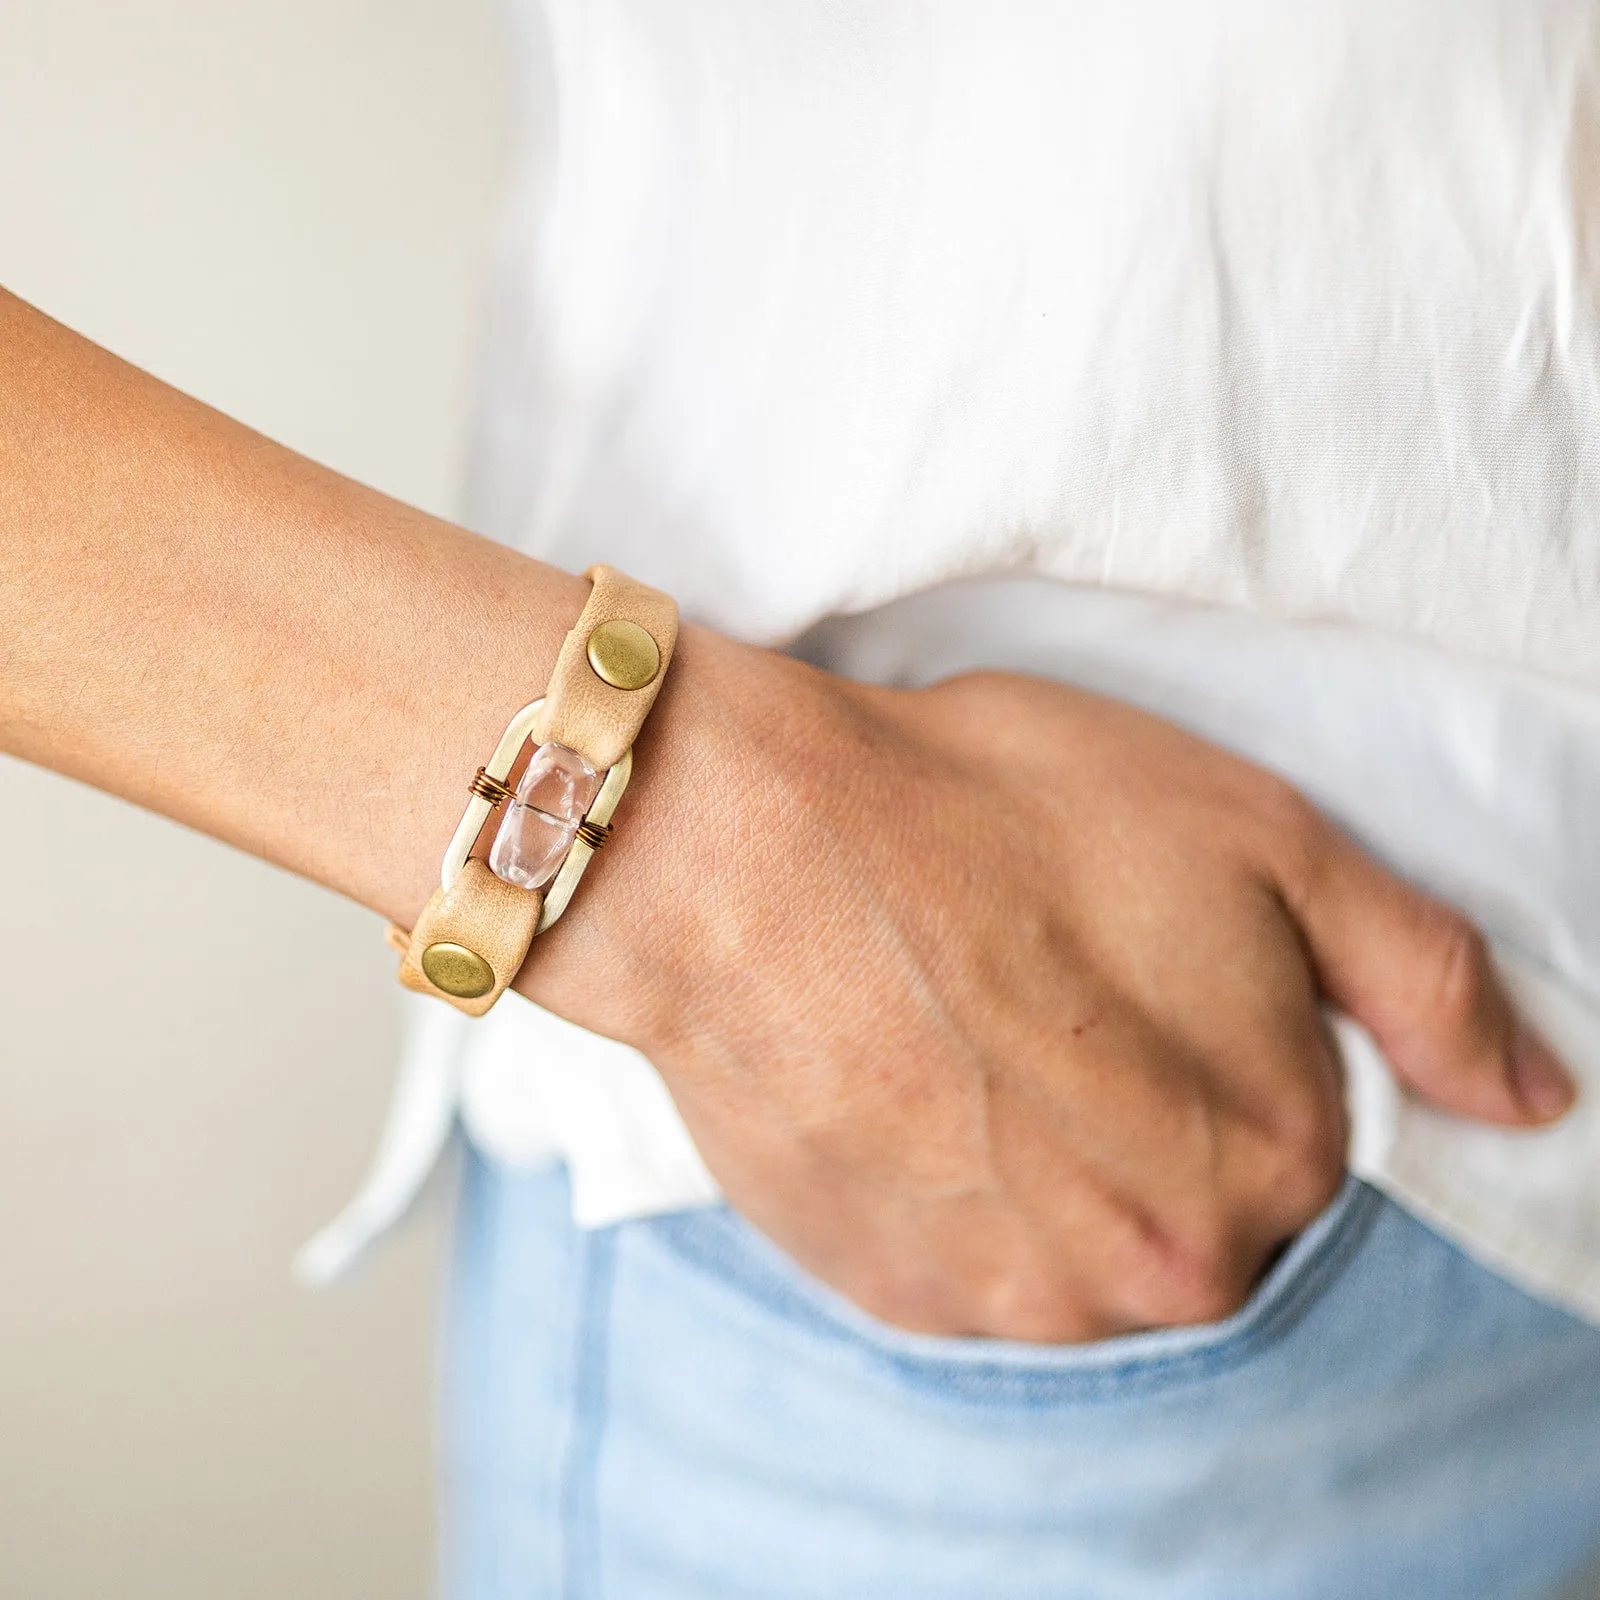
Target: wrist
[(714, 773)]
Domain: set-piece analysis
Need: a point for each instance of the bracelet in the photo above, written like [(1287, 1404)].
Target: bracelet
[(473, 934)]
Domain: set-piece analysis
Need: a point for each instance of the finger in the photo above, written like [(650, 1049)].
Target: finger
[(1153, 1234), (1419, 977)]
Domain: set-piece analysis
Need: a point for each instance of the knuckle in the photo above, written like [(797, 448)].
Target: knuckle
[(1198, 1299), (1307, 1144), (1308, 1183), (1294, 828), (1022, 1304), (1284, 805), (1195, 1278), (974, 688)]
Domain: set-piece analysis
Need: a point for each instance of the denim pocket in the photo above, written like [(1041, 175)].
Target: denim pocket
[(719, 1241)]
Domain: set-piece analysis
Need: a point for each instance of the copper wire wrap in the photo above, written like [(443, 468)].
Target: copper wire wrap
[(594, 834), (490, 789)]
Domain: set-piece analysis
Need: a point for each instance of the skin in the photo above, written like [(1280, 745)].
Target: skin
[(996, 1004)]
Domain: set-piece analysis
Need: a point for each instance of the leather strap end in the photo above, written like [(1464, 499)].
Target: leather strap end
[(472, 938), (581, 710)]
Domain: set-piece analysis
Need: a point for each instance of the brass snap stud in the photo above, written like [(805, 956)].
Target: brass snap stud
[(624, 655), (457, 970)]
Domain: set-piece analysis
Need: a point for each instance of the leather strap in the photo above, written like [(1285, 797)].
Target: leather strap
[(480, 927), (582, 710), (481, 915)]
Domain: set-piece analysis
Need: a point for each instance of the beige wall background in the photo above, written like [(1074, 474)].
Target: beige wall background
[(281, 206)]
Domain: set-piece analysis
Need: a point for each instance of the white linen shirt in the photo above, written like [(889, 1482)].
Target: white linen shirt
[(1233, 358)]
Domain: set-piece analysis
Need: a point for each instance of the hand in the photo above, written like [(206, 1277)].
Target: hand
[(996, 1004)]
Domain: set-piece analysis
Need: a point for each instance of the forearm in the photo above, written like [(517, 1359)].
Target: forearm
[(205, 623)]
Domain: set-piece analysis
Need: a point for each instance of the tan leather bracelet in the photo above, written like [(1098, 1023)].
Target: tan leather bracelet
[(473, 934)]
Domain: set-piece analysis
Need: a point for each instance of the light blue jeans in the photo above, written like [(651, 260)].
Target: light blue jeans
[(670, 1410)]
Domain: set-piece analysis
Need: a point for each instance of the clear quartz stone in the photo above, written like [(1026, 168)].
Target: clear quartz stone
[(542, 821)]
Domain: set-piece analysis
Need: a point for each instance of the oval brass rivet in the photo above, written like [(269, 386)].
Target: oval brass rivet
[(457, 970), (623, 654)]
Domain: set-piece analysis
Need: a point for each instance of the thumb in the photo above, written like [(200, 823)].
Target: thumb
[(1420, 978)]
